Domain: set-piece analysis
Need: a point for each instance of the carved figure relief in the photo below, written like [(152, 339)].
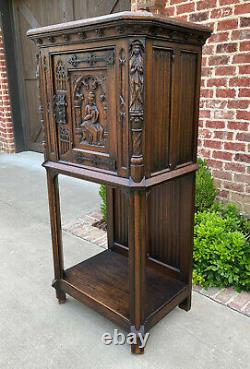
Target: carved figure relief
[(60, 109), (90, 121), (136, 111), (60, 76), (92, 130), (136, 76)]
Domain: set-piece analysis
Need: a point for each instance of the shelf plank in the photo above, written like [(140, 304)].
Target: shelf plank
[(102, 283)]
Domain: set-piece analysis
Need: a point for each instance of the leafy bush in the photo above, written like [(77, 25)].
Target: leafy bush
[(102, 193), (221, 249), (205, 190)]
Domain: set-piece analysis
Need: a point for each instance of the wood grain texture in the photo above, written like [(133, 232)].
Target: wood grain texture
[(119, 102)]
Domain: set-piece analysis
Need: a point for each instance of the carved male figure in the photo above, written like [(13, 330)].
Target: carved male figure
[(92, 130)]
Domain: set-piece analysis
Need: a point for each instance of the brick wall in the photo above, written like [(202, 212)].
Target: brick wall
[(224, 133), (7, 142)]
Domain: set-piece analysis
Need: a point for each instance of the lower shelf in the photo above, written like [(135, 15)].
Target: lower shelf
[(102, 283)]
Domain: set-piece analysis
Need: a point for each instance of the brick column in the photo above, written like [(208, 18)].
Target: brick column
[(7, 142), (224, 134)]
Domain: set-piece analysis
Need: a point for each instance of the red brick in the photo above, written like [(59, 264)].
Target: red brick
[(205, 113), (169, 11), (213, 144), (225, 71), (233, 186), (225, 92), (217, 82), (243, 34), (241, 126), (221, 13), (173, 2), (218, 37), (204, 61), (208, 50), (242, 9), (244, 69), (245, 158), (234, 146), (239, 82), (208, 93), (185, 8), (226, 48), (205, 133), (241, 59), (223, 194), (224, 114), (222, 175), (206, 4), (222, 155), (218, 60), (244, 22), (245, 46), (245, 137), (199, 17), (215, 104), (227, 24), (215, 163), (223, 135), (204, 152), (228, 2), (238, 104), (242, 178), (206, 71), (244, 92), (243, 115)]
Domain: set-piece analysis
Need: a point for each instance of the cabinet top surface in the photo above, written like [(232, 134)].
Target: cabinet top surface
[(127, 18)]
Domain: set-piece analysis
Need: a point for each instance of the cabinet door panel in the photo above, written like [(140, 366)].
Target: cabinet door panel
[(84, 111)]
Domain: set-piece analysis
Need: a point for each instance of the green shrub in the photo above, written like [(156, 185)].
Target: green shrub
[(221, 249), (205, 190), (102, 193)]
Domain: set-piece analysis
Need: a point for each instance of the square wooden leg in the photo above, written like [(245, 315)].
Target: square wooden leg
[(56, 232), (137, 259), (186, 304)]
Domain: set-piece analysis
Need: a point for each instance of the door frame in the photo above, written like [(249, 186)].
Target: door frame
[(11, 55)]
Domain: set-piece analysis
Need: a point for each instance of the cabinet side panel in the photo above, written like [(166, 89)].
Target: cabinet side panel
[(167, 222), (160, 110), (188, 75), (120, 206)]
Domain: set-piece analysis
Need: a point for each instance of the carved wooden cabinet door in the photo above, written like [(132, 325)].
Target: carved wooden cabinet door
[(84, 107)]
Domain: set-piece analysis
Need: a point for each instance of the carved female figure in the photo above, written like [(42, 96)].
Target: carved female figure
[(136, 76), (92, 130)]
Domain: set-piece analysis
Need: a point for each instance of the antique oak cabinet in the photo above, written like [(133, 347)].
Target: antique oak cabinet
[(119, 106)]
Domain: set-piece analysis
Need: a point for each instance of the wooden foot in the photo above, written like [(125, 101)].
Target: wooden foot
[(186, 304), (135, 349), (138, 347), (61, 297)]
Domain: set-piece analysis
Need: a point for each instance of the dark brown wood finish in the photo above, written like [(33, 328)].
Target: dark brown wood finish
[(36, 13), (119, 103)]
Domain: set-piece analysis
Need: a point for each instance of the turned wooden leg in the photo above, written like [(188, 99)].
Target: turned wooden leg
[(186, 304), (137, 257), (56, 232)]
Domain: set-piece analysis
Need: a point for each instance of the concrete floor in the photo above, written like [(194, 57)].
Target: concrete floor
[(36, 332)]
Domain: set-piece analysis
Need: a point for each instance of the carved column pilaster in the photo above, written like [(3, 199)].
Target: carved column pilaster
[(136, 108)]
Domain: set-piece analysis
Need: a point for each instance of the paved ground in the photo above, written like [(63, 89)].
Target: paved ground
[(36, 332), (84, 227)]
